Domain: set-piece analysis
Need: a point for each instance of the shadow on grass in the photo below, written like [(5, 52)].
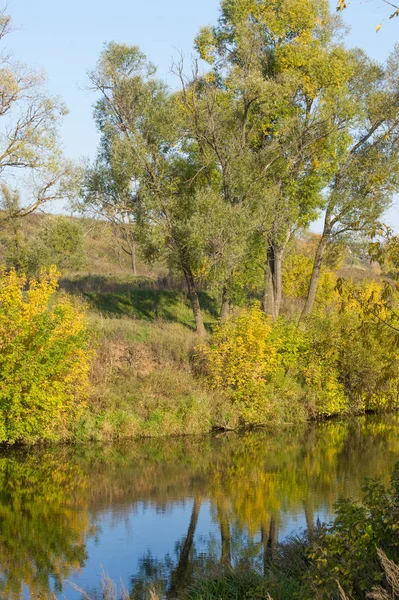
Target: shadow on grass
[(127, 299)]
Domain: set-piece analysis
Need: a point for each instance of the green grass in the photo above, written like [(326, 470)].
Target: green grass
[(282, 579), (232, 586), (143, 383), (238, 585), (138, 298)]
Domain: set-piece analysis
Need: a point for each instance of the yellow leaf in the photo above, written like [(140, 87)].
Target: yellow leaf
[(378, 27)]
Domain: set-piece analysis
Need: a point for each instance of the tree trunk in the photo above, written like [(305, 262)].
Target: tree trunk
[(133, 258), (268, 296), (192, 292), (275, 263), (180, 573), (225, 308), (314, 279), (225, 537), (273, 286)]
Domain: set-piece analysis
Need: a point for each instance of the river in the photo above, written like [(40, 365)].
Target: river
[(155, 513)]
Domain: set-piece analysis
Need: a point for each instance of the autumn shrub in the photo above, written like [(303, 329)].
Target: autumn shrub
[(44, 358), (248, 356), (341, 360), (296, 275), (318, 367), (352, 362), (370, 368)]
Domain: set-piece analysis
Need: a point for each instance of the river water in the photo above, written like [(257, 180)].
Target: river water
[(154, 514)]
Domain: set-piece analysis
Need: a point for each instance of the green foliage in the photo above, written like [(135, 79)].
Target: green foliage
[(338, 362), (248, 585), (346, 550), (44, 359), (59, 242), (12, 237)]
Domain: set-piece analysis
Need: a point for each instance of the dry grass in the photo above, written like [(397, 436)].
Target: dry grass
[(109, 590), (390, 589), (143, 383)]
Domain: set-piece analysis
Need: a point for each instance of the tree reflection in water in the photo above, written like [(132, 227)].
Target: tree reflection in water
[(52, 501)]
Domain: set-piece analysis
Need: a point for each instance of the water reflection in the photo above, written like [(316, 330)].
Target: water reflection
[(156, 513), (44, 523)]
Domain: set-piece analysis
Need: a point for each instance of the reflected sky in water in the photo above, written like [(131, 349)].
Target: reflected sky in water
[(157, 513)]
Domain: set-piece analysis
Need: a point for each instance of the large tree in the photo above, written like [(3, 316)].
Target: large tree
[(146, 149), (271, 114)]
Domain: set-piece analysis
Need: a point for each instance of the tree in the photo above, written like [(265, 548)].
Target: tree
[(367, 174), (59, 242), (107, 194), (144, 139), (281, 74), (30, 157)]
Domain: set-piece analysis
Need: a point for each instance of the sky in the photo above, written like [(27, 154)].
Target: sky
[(66, 38)]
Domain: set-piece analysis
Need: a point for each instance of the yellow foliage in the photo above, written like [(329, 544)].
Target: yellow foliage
[(296, 276), (44, 358), (242, 356)]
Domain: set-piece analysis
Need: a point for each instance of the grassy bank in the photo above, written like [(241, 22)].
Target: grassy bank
[(143, 379), (143, 383), (153, 376)]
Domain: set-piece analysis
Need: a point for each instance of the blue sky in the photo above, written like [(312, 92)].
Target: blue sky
[(66, 38)]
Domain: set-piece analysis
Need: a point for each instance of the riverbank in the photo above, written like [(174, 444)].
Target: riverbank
[(143, 383), (153, 375), (104, 361)]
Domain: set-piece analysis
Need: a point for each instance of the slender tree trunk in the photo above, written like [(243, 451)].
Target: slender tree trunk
[(275, 263), (318, 261), (268, 294), (179, 574), (225, 308), (225, 537), (192, 292), (273, 286), (133, 258), (309, 516)]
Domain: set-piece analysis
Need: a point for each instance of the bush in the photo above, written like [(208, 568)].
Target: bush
[(352, 364), (60, 241), (242, 356), (44, 359), (347, 550), (341, 360)]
